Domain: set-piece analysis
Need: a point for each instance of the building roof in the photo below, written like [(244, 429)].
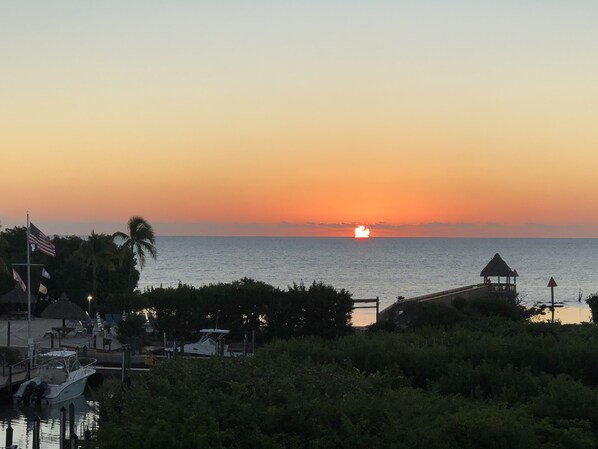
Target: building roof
[(498, 267)]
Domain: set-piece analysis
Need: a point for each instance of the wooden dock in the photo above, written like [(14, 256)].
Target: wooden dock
[(467, 292), (108, 363)]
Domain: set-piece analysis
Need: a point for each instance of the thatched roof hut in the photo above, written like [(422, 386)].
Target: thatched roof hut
[(16, 297), (499, 268), (65, 310)]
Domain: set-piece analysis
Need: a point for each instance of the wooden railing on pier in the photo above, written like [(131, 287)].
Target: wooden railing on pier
[(373, 303), (438, 295), (15, 374)]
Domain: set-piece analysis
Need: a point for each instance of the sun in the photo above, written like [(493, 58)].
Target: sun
[(361, 232)]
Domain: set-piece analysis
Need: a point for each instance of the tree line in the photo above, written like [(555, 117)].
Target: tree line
[(98, 265), (106, 267), (248, 305)]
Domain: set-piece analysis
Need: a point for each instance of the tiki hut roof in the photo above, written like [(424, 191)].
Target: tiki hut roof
[(498, 267), (64, 309), (16, 296)]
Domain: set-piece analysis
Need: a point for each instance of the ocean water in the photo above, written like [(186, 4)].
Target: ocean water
[(382, 267)]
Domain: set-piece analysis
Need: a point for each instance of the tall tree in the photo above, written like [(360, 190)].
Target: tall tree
[(5, 274), (3, 244), (140, 240), (98, 252), (13, 249)]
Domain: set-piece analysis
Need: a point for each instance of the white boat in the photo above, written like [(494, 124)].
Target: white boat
[(211, 343), (60, 377)]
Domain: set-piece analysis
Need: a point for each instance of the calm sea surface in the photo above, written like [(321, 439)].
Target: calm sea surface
[(383, 267)]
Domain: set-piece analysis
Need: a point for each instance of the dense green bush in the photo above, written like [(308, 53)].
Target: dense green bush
[(116, 303), (421, 314), (179, 312), (248, 305), (130, 328), (490, 383), (501, 306), (592, 301), (318, 310)]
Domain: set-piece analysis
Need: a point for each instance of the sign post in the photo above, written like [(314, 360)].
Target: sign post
[(552, 284)]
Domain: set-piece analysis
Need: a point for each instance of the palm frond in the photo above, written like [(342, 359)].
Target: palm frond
[(120, 235), (149, 247)]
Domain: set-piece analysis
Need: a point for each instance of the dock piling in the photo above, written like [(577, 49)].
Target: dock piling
[(62, 442), (9, 432), (71, 418), (126, 363), (87, 438), (36, 442)]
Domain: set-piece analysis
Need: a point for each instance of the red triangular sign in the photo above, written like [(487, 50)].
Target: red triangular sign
[(552, 282)]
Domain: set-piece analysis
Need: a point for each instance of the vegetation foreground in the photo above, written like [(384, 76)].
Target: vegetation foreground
[(489, 383)]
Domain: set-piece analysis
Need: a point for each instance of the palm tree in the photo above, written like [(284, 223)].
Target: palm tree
[(98, 251), (3, 265), (3, 247), (140, 241)]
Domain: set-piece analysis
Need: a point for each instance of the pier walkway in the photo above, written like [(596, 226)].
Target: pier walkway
[(467, 292)]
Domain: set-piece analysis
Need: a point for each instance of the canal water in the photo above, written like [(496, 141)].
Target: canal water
[(21, 419)]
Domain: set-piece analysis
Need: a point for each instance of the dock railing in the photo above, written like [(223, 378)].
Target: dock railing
[(373, 303), (17, 372), (439, 294)]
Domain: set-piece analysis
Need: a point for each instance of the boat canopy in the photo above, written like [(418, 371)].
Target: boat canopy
[(61, 353), (214, 331)]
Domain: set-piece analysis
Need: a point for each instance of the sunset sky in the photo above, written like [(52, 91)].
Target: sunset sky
[(415, 118)]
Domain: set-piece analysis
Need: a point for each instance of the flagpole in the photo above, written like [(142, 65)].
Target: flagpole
[(29, 340)]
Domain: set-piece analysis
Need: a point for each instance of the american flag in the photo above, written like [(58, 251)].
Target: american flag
[(40, 241)]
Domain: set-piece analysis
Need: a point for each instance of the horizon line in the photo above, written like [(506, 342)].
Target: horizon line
[(463, 230)]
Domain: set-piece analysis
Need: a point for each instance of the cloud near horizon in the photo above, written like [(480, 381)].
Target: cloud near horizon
[(331, 229)]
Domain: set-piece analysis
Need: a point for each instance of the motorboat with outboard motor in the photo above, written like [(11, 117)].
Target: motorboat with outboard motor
[(211, 343), (61, 377)]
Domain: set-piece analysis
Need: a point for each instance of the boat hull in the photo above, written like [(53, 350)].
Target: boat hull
[(67, 391), (72, 388)]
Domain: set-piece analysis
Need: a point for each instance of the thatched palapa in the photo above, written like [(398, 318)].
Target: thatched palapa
[(499, 268), (16, 297), (65, 310)]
